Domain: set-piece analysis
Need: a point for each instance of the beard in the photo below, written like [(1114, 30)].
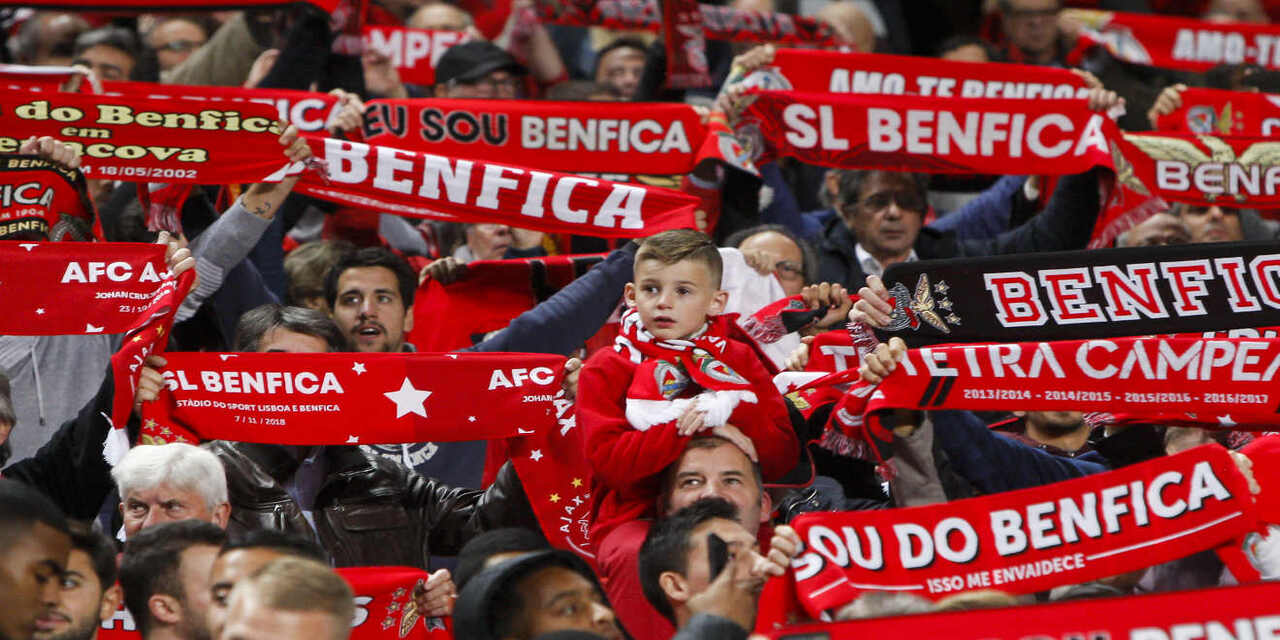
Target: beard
[(193, 627), (82, 631)]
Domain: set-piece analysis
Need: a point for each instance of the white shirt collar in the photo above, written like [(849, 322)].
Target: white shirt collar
[(870, 265)]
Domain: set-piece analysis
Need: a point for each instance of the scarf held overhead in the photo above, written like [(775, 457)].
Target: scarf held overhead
[(1227, 113), (1184, 44), (1028, 540), (355, 398), (817, 71), (596, 137), (931, 134), (413, 52), (1085, 294), (425, 185), (1202, 169), (34, 195), (718, 22), (309, 111), (140, 140)]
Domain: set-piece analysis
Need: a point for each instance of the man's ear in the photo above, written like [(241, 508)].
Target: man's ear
[(718, 302), (165, 609), (675, 586), (408, 319), (766, 506), (222, 514), (110, 604), (629, 294)]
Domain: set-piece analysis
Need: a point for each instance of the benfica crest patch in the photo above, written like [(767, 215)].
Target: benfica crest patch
[(670, 378), (909, 310), (716, 369)]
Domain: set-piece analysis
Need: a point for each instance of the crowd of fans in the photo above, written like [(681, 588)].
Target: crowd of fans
[(233, 540)]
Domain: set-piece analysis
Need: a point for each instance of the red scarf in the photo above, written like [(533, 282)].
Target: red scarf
[(1225, 612), (685, 44), (36, 193), (170, 5), (718, 22), (674, 375), (1217, 112), (1177, 43), (1229, 171), (353, 398), (598, 137), (31, 78), (384, 608), (413, 52), (817, 71), (1028, 540), (139, 139), (309, 111), (431, 186), (938, 135)]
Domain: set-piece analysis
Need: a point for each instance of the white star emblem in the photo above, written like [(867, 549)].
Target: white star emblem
[(28, 245), (353, 439), (39, 312), (471, 418), (358, 368), (408, 399), (89, 328), (1226, 421), (451, 356), (536, 455)]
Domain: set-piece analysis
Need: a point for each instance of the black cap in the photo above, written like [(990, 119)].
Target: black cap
[(473, 615), (471, 61)]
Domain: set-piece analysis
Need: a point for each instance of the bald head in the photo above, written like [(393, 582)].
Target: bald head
[(850, 25), (440, 16)]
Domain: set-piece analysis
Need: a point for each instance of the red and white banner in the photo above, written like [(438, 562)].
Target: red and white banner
[(55, 288), (718, 22), (426, 185), (1177, 43), (1228, 171), (1227, 113), (355, 398), (35, 193), (143, 140), (448, 317), (557, 479), (1229, 612), (817, 71), (938, 135), (1028, 540), (165, 5), (685, 44), (1208, 382), (384, 608), (597, 137), (413, 52), (18, 77), (308, 110)]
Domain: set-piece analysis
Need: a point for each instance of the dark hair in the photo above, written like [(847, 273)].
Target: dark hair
[(7, 416), (256, 322), (580, 91), (111, 36), (666, 547), (373, 257), (807, 252), (37, 38), (308, 266), (850, 181), (702, 442), (478, 550), (964, 40), (670, 247), (151, 560), (100, 549), (507, 602), (275, 540), (22, 507), (624, 42)]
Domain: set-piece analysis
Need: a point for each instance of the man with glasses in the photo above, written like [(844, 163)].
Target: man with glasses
[(880, 221), (478, 69), (1031, 26), (175, 39)]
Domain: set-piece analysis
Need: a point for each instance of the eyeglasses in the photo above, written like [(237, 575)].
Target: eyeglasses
[(789, 269), (906, 200), (179, 46)]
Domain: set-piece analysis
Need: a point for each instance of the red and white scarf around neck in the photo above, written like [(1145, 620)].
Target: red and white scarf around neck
[(671, 371)]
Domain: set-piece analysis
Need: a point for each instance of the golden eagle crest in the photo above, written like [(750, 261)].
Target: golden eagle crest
[(1181, 150)]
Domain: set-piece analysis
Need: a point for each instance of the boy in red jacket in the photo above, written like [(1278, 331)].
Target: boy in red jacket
[(677, 369)]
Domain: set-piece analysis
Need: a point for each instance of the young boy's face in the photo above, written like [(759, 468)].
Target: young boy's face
[(674, 300)]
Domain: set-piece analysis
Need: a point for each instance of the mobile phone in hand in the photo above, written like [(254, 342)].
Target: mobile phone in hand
[(717, 554)]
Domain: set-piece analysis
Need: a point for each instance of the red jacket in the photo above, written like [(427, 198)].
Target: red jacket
[(627, 463)]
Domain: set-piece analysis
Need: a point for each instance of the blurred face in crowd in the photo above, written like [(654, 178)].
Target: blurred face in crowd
[(1157, 231), (1249, 11), (850, 25), (82, 605), (790, 266), (32, 560), (489, 241), (725, 472), (887, 215), (1032, 26), (228, 570), (967, 53), (559, 599), (174, 41), (107, 62), (496, 84), (195, 567), (440, 16), (278, 340), (1055, 422), (674, 300), (370, 311), (1213, 224), (249, 619), (621, 69), (146, 507), (697, 576)]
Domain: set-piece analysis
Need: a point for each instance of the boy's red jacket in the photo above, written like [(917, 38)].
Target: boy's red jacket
[(627, 463)]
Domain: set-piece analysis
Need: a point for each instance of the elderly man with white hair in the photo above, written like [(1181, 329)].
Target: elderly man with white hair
[(168, 483)]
